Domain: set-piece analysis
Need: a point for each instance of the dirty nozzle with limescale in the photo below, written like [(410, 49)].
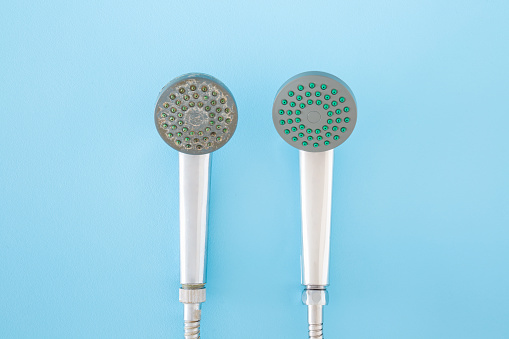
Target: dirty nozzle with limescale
[(315, 112), (195, 114)]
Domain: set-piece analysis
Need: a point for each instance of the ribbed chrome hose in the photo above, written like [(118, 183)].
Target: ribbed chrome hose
[(315, 315), (192, 329), (315, 331)]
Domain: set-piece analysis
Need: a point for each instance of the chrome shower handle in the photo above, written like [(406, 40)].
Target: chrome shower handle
[(194, 183), (316, 195)]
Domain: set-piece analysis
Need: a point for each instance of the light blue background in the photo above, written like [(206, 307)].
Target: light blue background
[(88, 190)]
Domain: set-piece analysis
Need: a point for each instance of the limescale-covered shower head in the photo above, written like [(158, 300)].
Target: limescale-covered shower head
[(195, 114), (315, 112)]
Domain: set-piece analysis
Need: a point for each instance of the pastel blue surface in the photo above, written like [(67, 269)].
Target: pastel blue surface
[(88, 190)]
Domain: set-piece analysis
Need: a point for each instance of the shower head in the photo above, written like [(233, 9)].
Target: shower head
[(314, 111), (196, 114)]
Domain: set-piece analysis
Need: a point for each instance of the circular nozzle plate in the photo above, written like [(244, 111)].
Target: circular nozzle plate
[(196, 114), (314, 111)]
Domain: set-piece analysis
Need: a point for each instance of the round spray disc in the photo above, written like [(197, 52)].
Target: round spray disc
[(314, 111), (196, 114)]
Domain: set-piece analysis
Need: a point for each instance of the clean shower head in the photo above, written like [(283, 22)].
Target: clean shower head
[(196, 114), (314, 111)]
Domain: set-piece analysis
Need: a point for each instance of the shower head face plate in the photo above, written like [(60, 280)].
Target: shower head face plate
[(196, 114), (314, 111)]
